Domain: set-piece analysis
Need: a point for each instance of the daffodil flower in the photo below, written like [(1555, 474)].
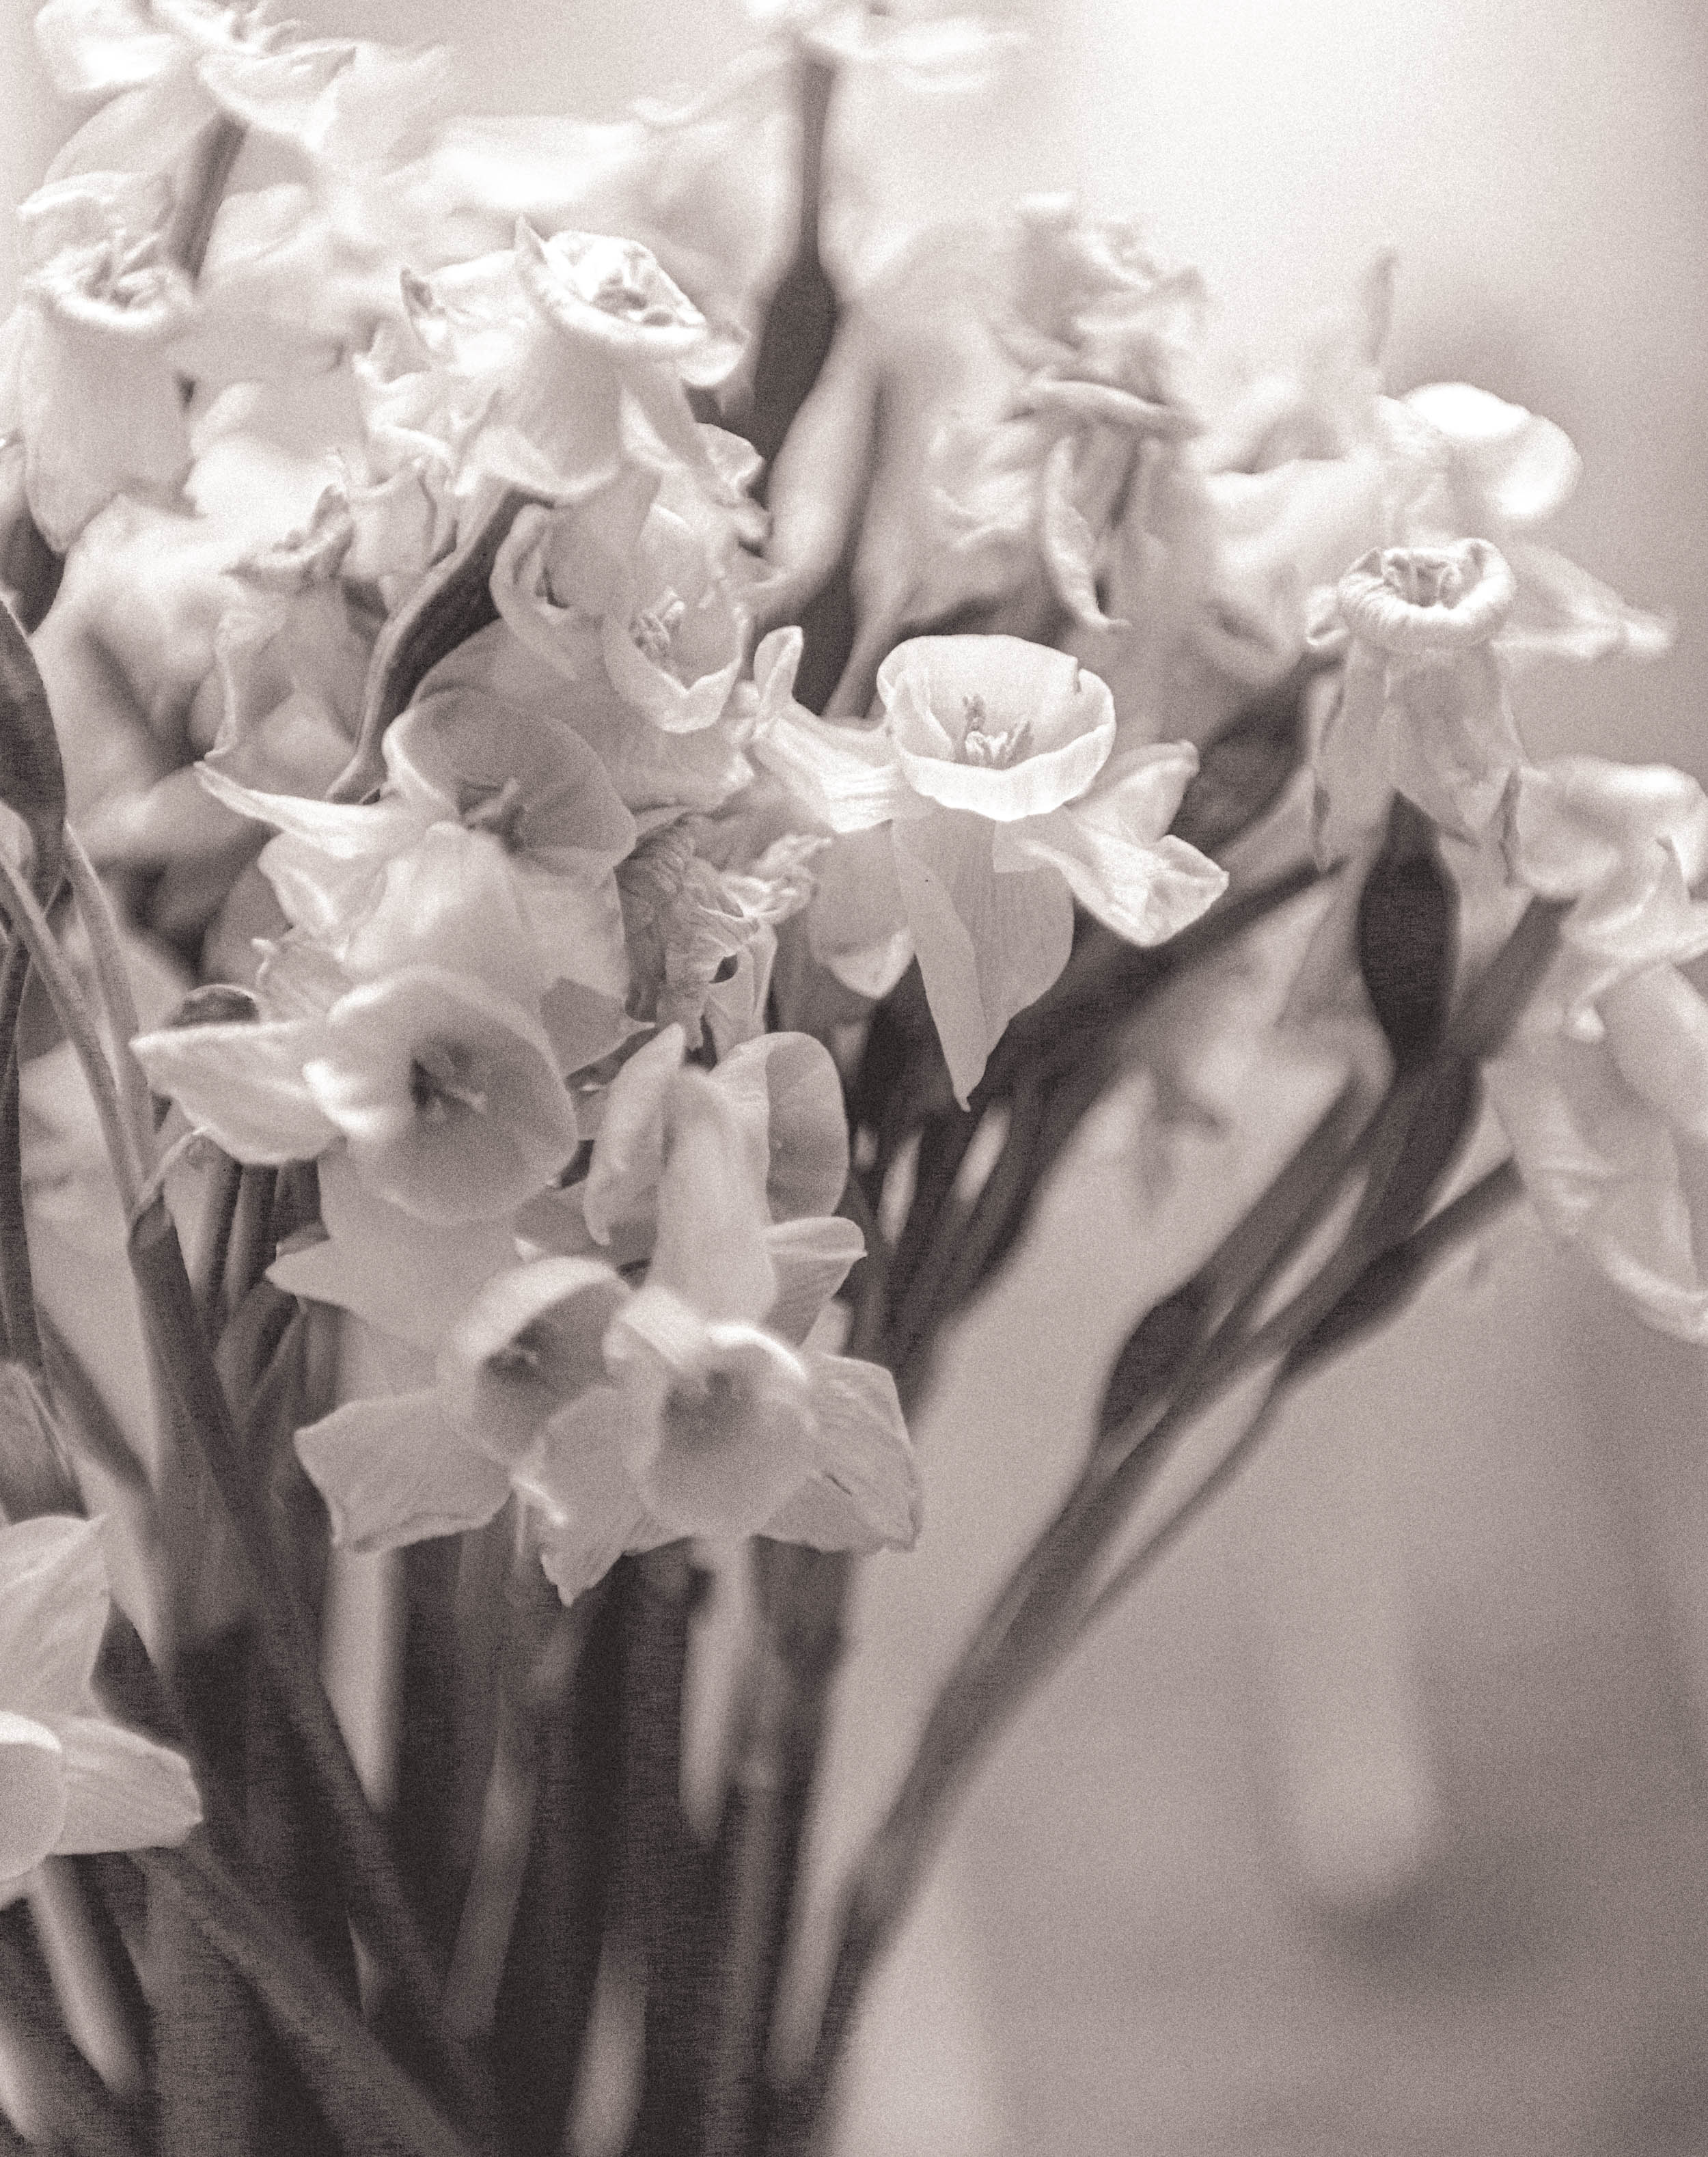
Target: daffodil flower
[(1479, 464), (635, 583), (71, 1779), (625, 1418), (86, 374), (1423, 710), (490, 852), (541, 356), (989, 776), (1603, 1087), (445, 1092)]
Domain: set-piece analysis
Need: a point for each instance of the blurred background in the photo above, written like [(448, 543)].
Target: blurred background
[(1377, 1820)]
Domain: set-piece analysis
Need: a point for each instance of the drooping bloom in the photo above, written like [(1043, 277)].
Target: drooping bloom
[(1422, 710), (969, 818), (1602, 1088), (71, 1779), (622, 1417), (86, 377), (536, 365)]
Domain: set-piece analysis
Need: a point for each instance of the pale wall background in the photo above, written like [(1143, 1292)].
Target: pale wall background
[(1377, 1823)]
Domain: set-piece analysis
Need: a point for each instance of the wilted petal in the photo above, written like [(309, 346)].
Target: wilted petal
[(122, 1790), (1452, 746), (395, 1471), (243, 1085), (988, 945), (1606, 1173), (1564, 612), (53, 1605), (1522, 464)]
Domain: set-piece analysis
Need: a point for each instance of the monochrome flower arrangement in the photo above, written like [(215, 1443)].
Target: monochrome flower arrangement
[(598, 769)]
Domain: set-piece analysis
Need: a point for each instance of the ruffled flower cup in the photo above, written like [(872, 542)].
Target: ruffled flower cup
[(971, 817), (1422, 709)]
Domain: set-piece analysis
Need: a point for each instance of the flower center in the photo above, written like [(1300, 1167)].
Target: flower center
[(496, 809), (442, 1080), (623, 291), (654, 628), (991, 751), (1424, 576)]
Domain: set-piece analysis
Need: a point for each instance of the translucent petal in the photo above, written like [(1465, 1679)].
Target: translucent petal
[(811, 1258), (865, 1495), (988, 945)]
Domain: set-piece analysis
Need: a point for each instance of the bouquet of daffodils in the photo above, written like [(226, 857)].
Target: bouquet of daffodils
[(604, 753)]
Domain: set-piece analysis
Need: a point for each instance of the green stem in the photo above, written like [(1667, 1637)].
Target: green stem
[(100, 925), (80, 2113), (192, 1388), (31, 924), (371, 2103)]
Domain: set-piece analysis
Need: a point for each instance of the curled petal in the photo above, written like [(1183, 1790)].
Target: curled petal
[(1416, 601), (1144, 892), (811, 1258), (1452, 746), (396, 1471)]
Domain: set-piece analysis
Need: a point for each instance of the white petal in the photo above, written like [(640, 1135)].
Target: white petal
[(988, 945), (395, 1471), (812, 1259), (32, 1793), (865, 1495), (242, 1085), (54, 1604), (122, 1790)]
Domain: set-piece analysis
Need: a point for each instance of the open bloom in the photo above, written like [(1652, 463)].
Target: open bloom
[(1603, 1087), (971, 817), (625, 1418), (1424, 709), (71, 1779)]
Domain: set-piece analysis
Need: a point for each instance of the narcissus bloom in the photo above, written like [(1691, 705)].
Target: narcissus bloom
[(625, 1418), (1603, 1087), (971, 815), (71, 1779), (1423, 710)]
